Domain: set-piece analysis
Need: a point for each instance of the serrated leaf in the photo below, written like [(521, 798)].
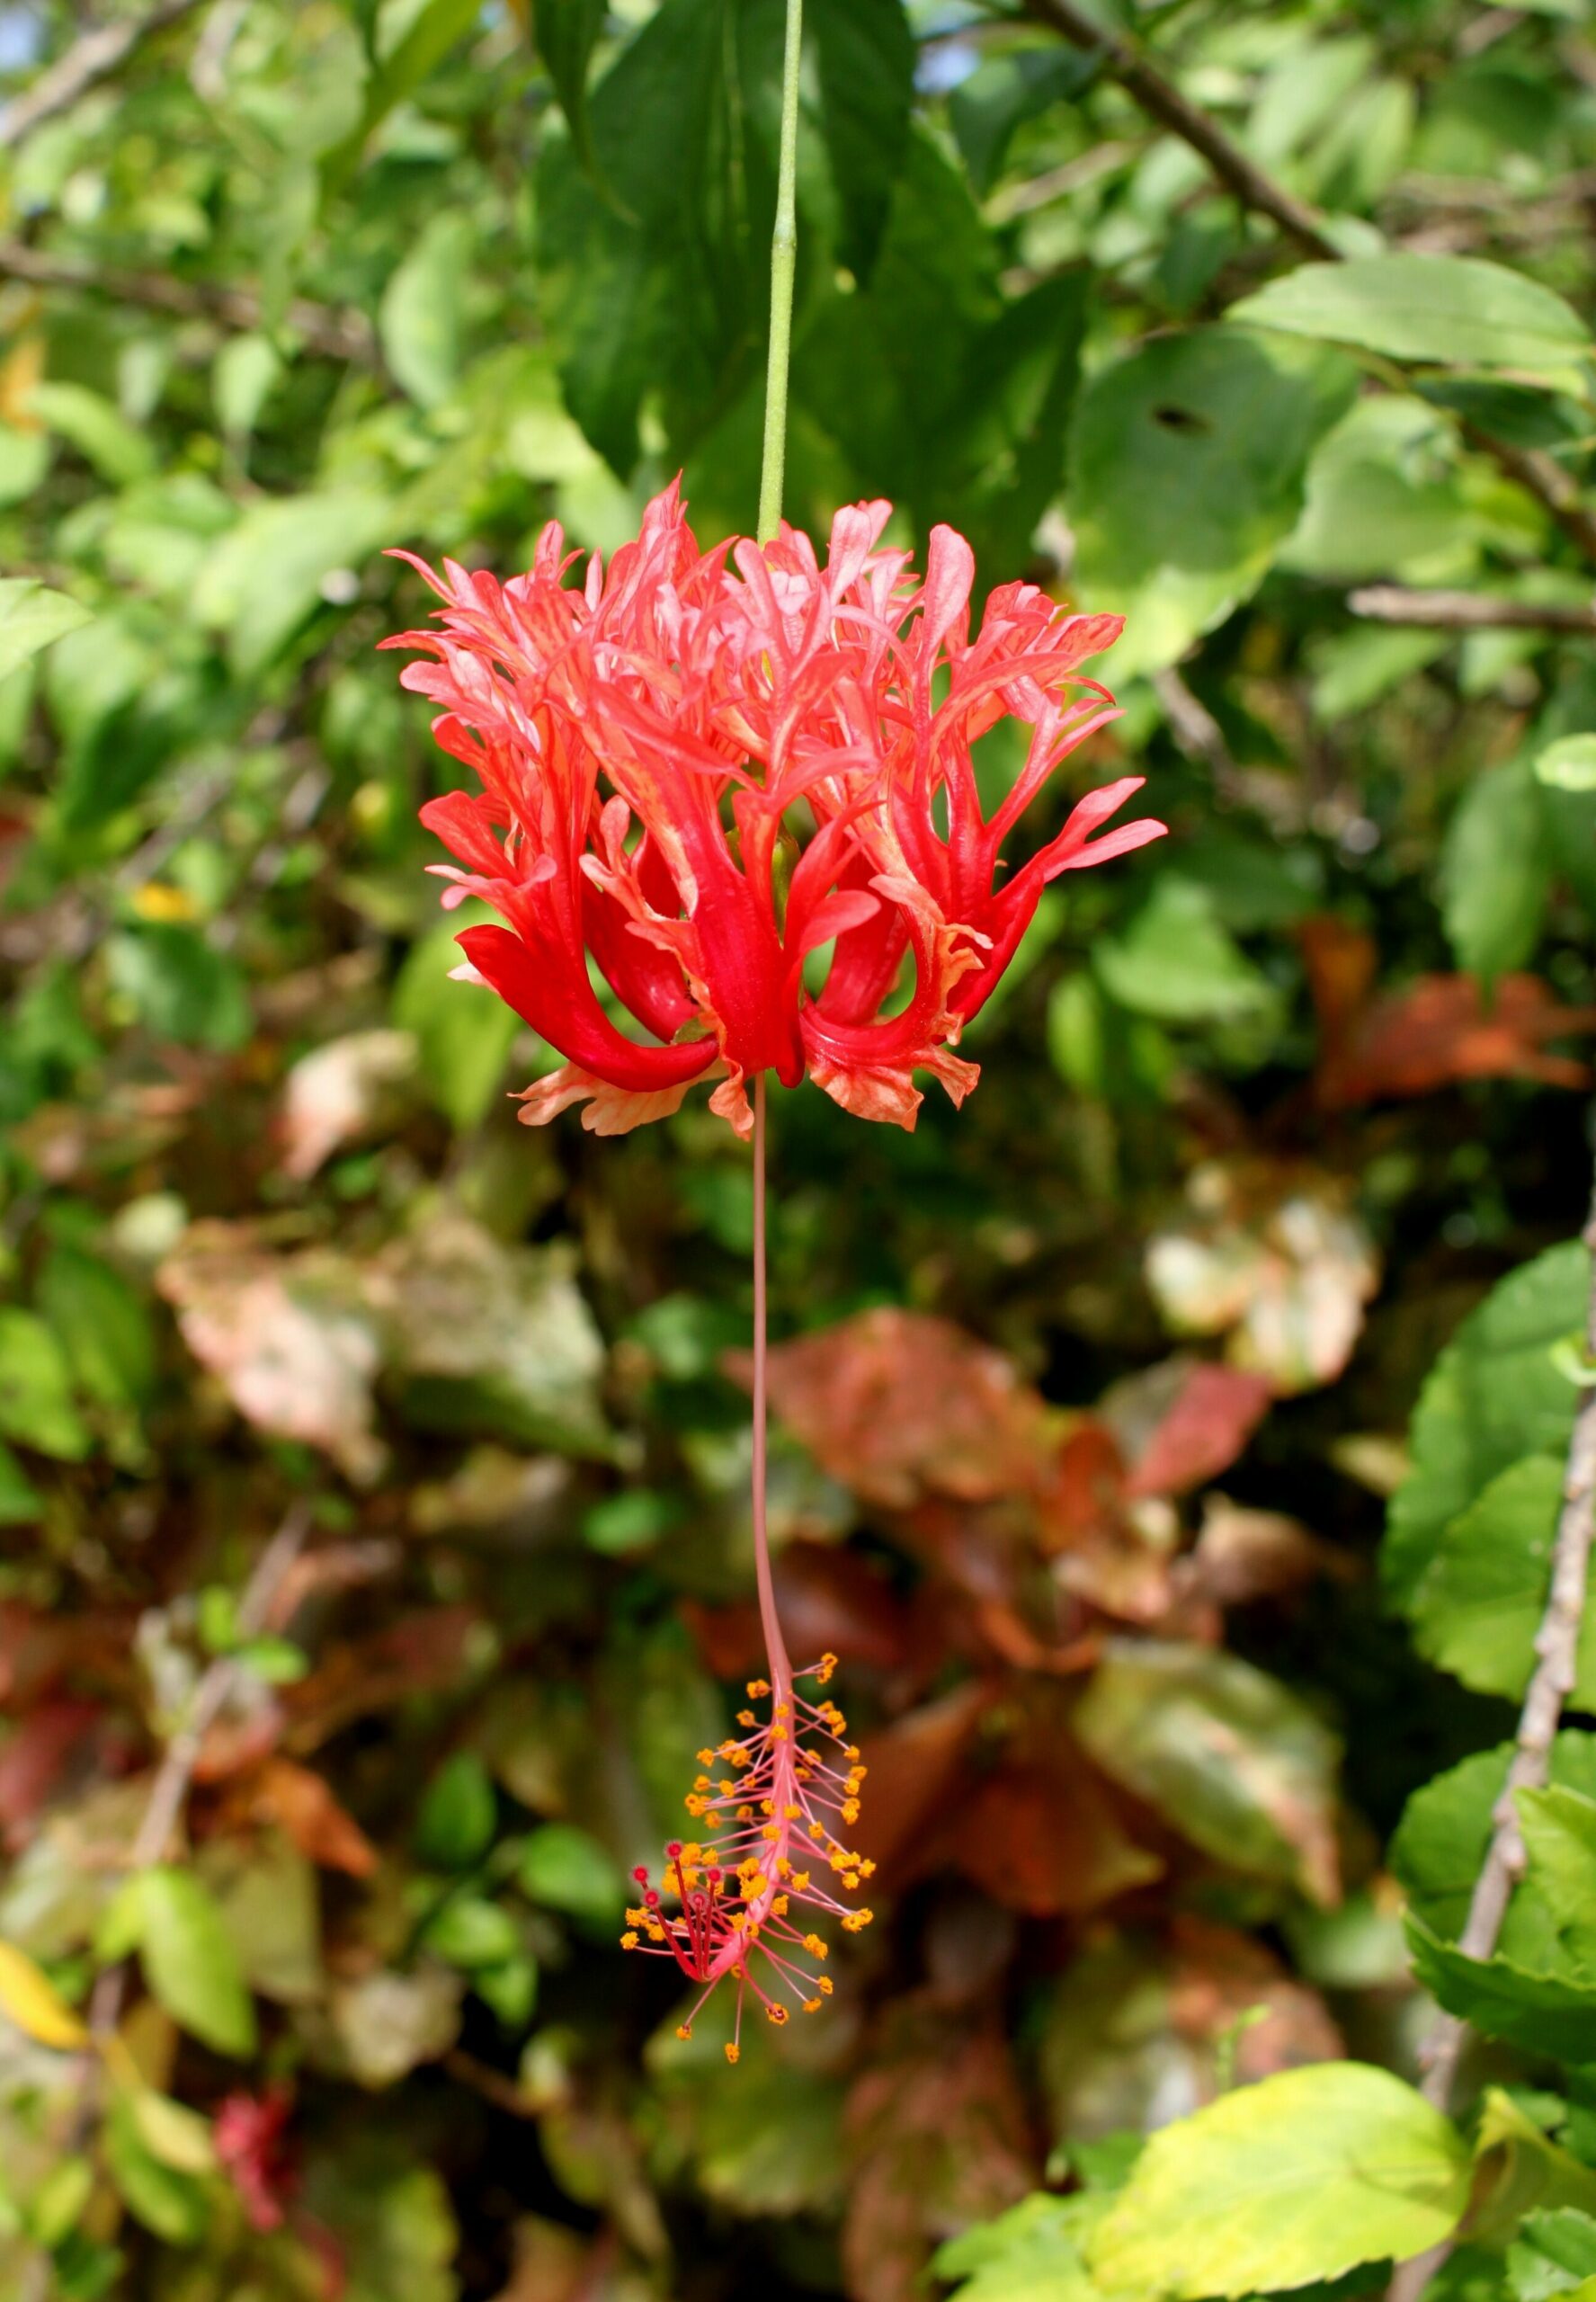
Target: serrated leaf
[(1478, 1607), (190, 1963), (31, 2000), (1301, 2177), (32, 617), (1444, 310), (1493, 1397)]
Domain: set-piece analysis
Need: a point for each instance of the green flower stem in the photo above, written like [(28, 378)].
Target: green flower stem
[(783, 267)]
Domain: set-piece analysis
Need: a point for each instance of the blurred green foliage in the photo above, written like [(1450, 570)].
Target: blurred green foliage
[(1089, 1398)]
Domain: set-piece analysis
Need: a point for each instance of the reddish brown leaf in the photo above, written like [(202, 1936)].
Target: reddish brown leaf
[(301, 1804), (419, 1654), (830, 1601), (1043, 1838), (37, 1755), (897, 1405), (915, 1770), (1442, 1029), (1213, 1415)]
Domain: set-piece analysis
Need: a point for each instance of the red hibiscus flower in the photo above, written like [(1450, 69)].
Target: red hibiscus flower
[(648, 745)]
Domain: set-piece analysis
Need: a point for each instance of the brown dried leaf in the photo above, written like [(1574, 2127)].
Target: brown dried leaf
[(897, 1406), (1442, 1029), (341, 1091), (287, 1338), (1276, 1254), (303, 1806)]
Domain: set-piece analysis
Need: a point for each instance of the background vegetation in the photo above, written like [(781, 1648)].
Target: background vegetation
[(375, 1548)]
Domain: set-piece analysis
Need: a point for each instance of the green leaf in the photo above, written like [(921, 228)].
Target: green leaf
[(36, 1407), (864, 57), (458, 1814), (431, 31), (422, 317), (1225, 1754), (1031, 2253), (177, 2136), (1178, 964), (1188, 457), (1478, 1604), (1302, 2177), (265, 577), (1004, 92), (103, 1324), (463, 1031), (21, 1503), (567, 33), (118, 450), (1568, 765), (1537, 1989), (1559, 1826), (190, 1963), (1445, 1829), (1493, 1397), (1496, 869), (1444, 310), (1553, 2252), (470, 1931), (31, 617), (172, 2205), (1519, 2168), (1543, 2013), (569, 1872), (180, 986)]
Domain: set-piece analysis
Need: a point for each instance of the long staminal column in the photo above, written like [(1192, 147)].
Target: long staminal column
[(773, 1819)]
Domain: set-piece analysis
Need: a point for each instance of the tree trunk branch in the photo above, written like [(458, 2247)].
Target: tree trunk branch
[(1469, 611), (92, 59), (339, 335)]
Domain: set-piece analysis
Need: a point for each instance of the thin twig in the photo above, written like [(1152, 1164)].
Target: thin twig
[(1165, 103), (337, 334), (1534, 472), (1470, 611), (167, 1798), (1196, 731), (1556, 1648), (92, 59)]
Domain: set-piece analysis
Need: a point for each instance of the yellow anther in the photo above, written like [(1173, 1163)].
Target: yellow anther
[(815, 1947), (777, 2014), (628, 1940), (684, 2029), (706, 1758), (746, 1718), (823, 1984), (811, 2006), (757, 1687), (732, 2050), (800, 1881)]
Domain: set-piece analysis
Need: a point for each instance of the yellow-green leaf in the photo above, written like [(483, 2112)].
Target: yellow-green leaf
[(32, 2001)]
